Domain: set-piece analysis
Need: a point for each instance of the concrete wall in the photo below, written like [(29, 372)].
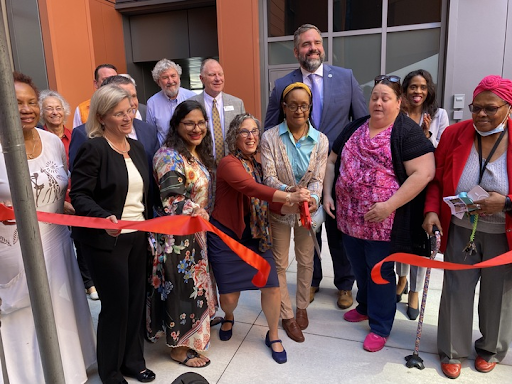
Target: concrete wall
[(479, 43)]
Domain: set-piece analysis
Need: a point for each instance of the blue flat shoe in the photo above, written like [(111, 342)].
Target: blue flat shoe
[(226, 335), (279, 357)]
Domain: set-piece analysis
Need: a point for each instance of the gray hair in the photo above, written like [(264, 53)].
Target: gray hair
[(129, 77), (235, 126), (49, 93), (103, 101), (303, 28), (162, 66)]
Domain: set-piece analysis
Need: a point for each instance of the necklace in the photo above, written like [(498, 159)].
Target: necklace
[(30, 155), (301, 135), (117, 149)]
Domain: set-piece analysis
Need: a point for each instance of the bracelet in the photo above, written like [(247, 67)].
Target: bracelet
[(288, 198), (508, 204)]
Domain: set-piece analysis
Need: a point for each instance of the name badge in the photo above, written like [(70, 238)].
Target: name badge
[(228, 108)]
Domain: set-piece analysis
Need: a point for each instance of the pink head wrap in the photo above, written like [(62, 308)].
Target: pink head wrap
[(496, 84)]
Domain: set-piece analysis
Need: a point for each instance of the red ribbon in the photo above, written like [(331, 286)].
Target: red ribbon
[(168, 225), (409, 258)]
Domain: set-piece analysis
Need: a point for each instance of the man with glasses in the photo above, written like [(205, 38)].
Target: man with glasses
[(337, 99), (221, 108)]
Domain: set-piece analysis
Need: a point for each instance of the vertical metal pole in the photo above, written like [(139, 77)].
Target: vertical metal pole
[(15, 156)]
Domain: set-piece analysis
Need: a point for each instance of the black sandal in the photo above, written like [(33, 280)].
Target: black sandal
[(215, 321), (191, 354)]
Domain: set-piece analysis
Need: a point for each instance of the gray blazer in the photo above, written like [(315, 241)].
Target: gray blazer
[(228, 101)]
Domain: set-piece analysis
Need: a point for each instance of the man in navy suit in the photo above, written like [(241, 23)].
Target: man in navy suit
[(337, 99)]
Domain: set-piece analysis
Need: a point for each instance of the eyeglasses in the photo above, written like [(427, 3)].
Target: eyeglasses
[(294, 107), (56, 109), (245, 132), (391, 79), (192, 125), (121, 115), (488, 110)]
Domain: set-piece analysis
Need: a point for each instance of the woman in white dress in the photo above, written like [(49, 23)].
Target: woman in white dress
[(49, 176)]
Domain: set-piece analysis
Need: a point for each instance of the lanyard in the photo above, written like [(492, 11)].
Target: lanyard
[(495, 146)]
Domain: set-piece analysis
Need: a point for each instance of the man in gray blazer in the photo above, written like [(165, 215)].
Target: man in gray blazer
[(212, 77), (337, 99)]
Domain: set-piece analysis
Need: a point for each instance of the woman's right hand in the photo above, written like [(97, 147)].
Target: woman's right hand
[(328, 204), (430, 220), (200, 212), (300, 195), (113, 232)]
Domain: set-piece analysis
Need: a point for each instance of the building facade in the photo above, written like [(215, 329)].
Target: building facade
[(60, 42)]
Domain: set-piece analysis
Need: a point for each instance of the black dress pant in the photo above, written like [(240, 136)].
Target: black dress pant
[(119, 276), (82, 265)]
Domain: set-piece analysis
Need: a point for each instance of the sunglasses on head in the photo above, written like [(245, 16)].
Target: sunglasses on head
[(391, 79)]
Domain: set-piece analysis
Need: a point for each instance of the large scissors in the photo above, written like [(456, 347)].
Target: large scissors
[(305, 219)]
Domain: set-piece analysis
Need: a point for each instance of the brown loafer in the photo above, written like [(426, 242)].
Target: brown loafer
[(312, 292), (292, 329), (302, 318), (452, 371), (345, 299), (483, 366)]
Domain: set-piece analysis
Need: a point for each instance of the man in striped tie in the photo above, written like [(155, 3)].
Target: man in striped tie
[(220, 107)]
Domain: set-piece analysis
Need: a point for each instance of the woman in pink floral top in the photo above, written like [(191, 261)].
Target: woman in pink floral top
[(181, 303), (386, 161)]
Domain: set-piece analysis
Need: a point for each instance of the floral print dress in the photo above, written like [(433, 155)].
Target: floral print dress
[(180, 300)]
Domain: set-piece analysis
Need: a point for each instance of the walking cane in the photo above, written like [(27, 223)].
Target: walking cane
[(2, 354), (415, 360)]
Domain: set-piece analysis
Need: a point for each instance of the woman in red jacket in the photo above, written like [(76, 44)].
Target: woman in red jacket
[(475, 152), (241, 211)]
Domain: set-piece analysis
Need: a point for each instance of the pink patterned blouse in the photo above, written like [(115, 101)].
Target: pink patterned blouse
[(366, 177)]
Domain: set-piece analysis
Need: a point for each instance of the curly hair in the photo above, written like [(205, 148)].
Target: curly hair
[(175, 141), (430, 105), (162, 66), (49, 93), (19, 77), (235, 126)]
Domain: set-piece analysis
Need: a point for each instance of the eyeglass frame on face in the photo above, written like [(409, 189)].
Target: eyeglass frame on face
[(391, 79), (303, 108), (51, 109), (120, 115), (245, 133), (191, 125), (488, 110)]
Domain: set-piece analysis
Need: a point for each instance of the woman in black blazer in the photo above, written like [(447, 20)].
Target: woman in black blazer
[(110, 179)]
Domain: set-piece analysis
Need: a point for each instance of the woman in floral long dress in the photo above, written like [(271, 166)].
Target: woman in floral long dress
[(180, 301)]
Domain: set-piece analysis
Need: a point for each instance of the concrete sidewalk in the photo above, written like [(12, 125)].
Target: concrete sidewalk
[(333, 350)]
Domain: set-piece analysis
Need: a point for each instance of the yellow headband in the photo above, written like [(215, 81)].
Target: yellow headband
[(293, 86)]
